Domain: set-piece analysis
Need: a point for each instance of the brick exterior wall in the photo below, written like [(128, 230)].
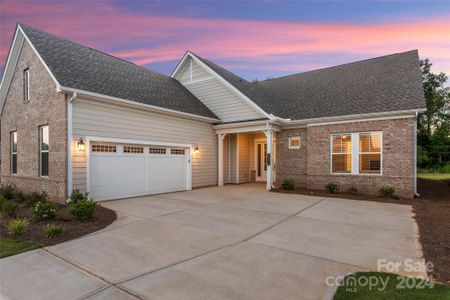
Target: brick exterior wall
[(46, 107), (397, 165)]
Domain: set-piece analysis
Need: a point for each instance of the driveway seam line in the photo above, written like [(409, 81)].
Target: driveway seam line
[(90, 273), (220, 248)]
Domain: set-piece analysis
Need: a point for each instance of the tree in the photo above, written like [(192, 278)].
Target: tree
[(434, 124)]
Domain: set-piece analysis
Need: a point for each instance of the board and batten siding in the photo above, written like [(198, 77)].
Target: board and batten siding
[(219, 98), (94, 118)]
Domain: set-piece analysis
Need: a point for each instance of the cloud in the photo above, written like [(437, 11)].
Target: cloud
[(151, 38)]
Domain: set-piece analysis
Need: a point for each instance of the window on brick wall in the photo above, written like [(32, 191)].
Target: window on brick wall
[(13, 139), (294, 142), (356, 153), (26, 84), (43, 150)]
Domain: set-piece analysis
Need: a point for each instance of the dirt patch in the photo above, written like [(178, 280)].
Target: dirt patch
[(72, 227), (432, 214)]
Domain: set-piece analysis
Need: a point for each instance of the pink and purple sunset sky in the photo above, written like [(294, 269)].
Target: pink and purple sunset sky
[(254, 39)]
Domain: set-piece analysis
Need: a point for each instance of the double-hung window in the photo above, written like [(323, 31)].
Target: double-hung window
[(43, 150), (356, 153), (13, 139)]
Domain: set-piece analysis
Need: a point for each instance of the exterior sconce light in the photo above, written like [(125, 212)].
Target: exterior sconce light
[(80, 145), (196, 150)]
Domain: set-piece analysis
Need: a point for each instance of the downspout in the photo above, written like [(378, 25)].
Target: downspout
[(415, 155), (69, 144)]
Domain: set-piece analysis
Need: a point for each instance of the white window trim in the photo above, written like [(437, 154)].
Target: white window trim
[(11, 138), (43, 151), (27, 82), (295, 138), (355, 153)]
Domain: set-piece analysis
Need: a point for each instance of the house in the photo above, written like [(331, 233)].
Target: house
[(73, 117)]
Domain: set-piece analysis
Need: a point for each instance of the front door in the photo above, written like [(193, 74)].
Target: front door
[(261, 161)]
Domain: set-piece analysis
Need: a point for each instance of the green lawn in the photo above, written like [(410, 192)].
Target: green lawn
[(397, 287), (434, 176), (12, 247)]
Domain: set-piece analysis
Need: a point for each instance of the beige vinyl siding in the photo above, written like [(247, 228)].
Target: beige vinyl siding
[(233, 158), (193, 69), (222, 101), (226, 159), (244, 157), (114, 121)]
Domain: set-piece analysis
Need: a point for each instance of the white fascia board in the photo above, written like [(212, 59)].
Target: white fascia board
[(134, 142), (40, 58), (401, 114), (247, 128), (95, 96), (247, 100)]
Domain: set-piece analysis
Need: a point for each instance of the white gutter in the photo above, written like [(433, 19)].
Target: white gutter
[(69, 143), (137, 104), (415, 155)]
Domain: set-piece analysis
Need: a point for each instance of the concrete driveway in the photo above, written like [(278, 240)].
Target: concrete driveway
[(235, 242)]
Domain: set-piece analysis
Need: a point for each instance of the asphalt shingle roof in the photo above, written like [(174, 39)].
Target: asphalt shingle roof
[(382, 84), (79, 67)]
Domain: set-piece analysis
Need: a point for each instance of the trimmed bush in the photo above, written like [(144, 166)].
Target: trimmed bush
[(17, 226), (388, 192), (76, 196), (83, 210), (332, 188), (352, 190), (44, 211), (288, 184), (36, 197), (2, 201), (52, 230), (7, 191), (9, 208)]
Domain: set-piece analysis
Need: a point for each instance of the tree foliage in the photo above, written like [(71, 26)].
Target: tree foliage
[(434, 124)]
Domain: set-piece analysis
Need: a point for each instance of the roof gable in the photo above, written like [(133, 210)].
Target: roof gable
[(191, 61)]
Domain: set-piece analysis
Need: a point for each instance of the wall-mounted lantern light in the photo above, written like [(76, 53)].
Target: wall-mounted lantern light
[(196, 150), (80, 145)]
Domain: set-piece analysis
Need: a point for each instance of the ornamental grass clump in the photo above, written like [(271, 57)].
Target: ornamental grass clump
[(17, 227), (52, 230)]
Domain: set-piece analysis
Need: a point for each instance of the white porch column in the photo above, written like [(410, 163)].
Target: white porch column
[(269, 174), (220, 138)]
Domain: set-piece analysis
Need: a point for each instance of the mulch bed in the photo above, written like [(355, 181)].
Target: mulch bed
[(72, 227), (432, 214)]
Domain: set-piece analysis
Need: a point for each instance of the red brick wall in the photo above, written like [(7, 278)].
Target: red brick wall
[(398, 157), (45, 107)]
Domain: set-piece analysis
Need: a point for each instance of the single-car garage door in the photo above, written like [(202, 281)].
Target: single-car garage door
[(120, 170)]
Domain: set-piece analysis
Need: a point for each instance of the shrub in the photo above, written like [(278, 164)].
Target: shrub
[(83, 210), (352, 189), (76, 196), (52, 230), (36, 197), (2, 201), (288, 184), (332, 188), (7, 191), (17, 226), (388, 192), (44, 211), (21, 197), (9, 208)]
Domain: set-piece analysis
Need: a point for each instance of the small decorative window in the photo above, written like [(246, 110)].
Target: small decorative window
[(177, 151), (370, 152), (103, 148), (157, 150), (294, 142), (26, 84), (341, 156), (133, 149), (13, 138), (43, 150)]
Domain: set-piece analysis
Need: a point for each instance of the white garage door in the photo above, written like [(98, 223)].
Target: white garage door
[(119, 171)]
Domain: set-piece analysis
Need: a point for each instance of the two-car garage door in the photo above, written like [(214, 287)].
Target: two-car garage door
[(121, 170)]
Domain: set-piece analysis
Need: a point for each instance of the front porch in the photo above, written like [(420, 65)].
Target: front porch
[(247, 153)]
